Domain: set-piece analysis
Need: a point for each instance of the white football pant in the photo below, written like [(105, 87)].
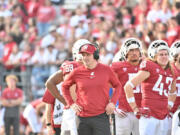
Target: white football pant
[(127, 125), (69, 122), (153, 126), (31, 116), (175, 122)]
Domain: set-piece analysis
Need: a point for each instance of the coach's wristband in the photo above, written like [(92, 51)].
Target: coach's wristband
[(48, 124)]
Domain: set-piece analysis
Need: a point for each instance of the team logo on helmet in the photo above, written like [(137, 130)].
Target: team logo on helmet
[(156, 46), (175, 49)]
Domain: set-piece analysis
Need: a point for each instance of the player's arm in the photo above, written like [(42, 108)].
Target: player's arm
[(48, 113), (51, 83), (48, 118), (172, 95), (131, 84)]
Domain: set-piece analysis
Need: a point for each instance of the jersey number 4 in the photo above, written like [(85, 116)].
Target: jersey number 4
[(159, 85)]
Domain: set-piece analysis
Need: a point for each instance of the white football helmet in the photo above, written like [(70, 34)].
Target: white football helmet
[(175, 49), (76, 46), (131, 43), (118, 56), (156, 46)]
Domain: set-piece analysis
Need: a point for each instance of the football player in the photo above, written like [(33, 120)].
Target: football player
[(33, 114), (57, 77), (68, 118), (175, 56), (126, 121), (54, 107), (157, 79)]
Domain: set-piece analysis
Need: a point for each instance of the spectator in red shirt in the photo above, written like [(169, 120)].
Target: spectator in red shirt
[(8, 48), (140, 8), (45, 15), (27, 53), (92, 88), (173, 30), (12, 98), (14, 58), (32, 8), (19, 10)]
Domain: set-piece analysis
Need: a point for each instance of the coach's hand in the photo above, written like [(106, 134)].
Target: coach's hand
[(110, 107), (76, 108)]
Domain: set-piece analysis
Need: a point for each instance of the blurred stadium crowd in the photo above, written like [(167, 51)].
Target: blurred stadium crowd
[(36, 36)]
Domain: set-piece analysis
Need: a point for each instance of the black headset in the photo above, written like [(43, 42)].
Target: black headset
[(96, 53)]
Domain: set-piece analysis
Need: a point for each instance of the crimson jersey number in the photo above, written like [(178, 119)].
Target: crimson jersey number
[(69, 68), (159, 85), (137, 88)]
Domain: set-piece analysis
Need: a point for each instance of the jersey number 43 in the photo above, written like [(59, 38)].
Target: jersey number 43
[(159, 85)]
